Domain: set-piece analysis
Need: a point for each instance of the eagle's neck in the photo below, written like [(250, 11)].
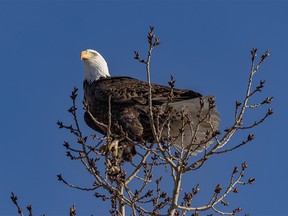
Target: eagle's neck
[(94, 70)]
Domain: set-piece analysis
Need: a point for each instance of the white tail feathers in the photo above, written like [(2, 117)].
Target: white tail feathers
[(198, 122)]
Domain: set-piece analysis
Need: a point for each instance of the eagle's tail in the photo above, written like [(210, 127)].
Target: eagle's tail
[(198, 119)]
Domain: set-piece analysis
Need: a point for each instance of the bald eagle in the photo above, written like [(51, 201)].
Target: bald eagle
[(129, 109)]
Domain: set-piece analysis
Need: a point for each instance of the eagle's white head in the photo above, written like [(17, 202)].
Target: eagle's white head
[(95, 65)]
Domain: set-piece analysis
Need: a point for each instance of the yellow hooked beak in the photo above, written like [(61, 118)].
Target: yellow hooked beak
[(84, 55)]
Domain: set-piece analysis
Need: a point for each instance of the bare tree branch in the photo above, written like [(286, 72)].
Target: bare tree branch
[(131, 186)]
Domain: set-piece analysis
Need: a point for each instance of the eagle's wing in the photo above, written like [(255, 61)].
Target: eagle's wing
[(129, 90), (129, 100), (127, 95)]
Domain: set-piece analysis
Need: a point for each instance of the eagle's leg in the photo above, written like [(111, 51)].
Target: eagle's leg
[(120, 149), (112, 168), (113, 147), (127, 150)]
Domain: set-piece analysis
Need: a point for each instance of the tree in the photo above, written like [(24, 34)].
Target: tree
[(134, 188)]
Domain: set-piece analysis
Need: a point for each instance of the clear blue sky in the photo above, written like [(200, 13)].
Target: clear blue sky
[(205, 45)]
